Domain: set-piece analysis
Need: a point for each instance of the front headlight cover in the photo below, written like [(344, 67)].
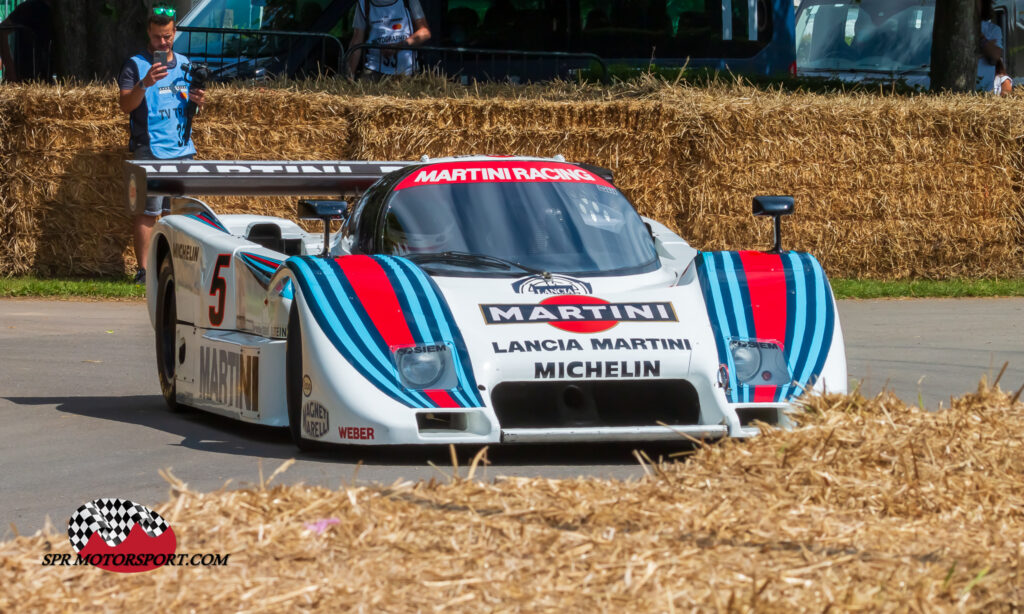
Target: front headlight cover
[(759, 363), (427, 366), (747, 359)]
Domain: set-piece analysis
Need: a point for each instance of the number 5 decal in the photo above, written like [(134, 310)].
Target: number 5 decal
[(219, 288)]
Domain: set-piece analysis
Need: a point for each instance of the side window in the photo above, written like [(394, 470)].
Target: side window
[(356, 232), (350, 227)]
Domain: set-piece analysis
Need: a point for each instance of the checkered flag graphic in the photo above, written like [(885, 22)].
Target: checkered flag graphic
[(114, 519)]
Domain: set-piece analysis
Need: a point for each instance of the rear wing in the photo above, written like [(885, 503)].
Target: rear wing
[(145, 178)]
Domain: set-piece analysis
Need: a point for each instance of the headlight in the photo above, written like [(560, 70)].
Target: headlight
[(425, 367), (759, 363), (747, 358)]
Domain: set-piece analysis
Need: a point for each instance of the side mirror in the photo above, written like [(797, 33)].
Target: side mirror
[(775, 206), (326, 210)]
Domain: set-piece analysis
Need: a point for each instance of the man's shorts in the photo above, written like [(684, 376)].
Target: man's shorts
[(155, 205)]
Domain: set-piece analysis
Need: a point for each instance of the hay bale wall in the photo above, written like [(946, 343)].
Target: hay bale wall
[(887, 188)]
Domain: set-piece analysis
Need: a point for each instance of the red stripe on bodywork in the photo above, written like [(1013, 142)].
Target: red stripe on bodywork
[(764, 394), (265, 261), (766, 281), (374, 291), (441, 397)]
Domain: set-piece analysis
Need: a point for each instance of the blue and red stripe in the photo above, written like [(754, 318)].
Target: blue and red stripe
[(368, 305), (209, 220), (262, 267), (784, 298)]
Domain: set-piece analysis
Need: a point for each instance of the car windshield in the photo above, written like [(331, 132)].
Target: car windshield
[(550, 226), (867, 35)]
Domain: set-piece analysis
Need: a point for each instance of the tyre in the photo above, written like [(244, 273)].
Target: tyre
[(167, 333), (293, 379)]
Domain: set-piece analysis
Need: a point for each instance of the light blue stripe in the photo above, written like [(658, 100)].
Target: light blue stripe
[(259, 267), (446, 332), (263, 267), (737, 300), (419, 315), (366, 335), (738, 309), (470, 398), (723, 322), (319, 300), (410, 295), (819, 324), (800, 317)]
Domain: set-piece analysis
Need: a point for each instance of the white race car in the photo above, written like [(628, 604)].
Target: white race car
[(473, 300)]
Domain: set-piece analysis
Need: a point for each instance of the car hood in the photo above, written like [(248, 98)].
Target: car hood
[(527, 328)]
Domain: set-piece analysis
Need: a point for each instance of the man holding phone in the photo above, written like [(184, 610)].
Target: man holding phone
[(154, 93)]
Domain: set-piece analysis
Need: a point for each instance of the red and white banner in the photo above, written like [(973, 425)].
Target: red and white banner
[(499, 171)]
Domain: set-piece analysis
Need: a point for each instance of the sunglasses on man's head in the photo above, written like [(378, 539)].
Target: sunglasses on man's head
[(164, 10)]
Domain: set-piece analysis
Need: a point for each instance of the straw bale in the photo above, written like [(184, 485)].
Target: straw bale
[(327, 140), (869, 505), (934, 181)]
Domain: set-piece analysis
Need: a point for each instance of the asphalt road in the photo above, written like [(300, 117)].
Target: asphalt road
[(83, 418)]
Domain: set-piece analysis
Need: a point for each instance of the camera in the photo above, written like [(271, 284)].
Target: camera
[(197, 76)]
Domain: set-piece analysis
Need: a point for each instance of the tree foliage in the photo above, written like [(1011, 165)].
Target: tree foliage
[(93, 38)]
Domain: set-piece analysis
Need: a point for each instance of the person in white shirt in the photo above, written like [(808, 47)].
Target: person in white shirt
[(990, 46), (1003, 84), (387, 22)]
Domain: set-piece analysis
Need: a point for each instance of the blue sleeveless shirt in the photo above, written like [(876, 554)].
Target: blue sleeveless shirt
[(162, 111)]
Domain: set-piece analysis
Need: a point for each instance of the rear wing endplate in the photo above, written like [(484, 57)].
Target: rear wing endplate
[(145, 178)]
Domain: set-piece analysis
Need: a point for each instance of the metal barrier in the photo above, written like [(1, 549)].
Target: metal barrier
[(533, 65), (243, 53), (33, 61)]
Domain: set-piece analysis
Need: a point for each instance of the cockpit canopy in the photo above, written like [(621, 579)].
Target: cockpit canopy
[(549, 216)]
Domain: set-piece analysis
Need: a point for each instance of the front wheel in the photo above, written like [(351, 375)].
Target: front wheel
[(167, 333), (293, 379)]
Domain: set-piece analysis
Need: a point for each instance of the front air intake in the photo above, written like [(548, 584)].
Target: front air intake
[(595, 403)]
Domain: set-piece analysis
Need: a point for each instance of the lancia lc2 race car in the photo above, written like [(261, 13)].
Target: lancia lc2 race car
[(472, 300)]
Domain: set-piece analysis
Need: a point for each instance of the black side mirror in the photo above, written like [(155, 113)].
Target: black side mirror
[(775, 206), (326, 210)]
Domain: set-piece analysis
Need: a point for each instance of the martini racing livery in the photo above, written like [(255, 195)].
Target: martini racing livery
[(473, 300)]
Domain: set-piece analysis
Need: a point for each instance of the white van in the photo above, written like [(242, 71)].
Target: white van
[(885, 40)]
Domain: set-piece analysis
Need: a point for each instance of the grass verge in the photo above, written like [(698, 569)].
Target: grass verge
[(122, 287), (104, 288), (952, 288)]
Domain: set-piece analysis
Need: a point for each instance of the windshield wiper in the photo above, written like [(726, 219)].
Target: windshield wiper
[(457, 257)]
